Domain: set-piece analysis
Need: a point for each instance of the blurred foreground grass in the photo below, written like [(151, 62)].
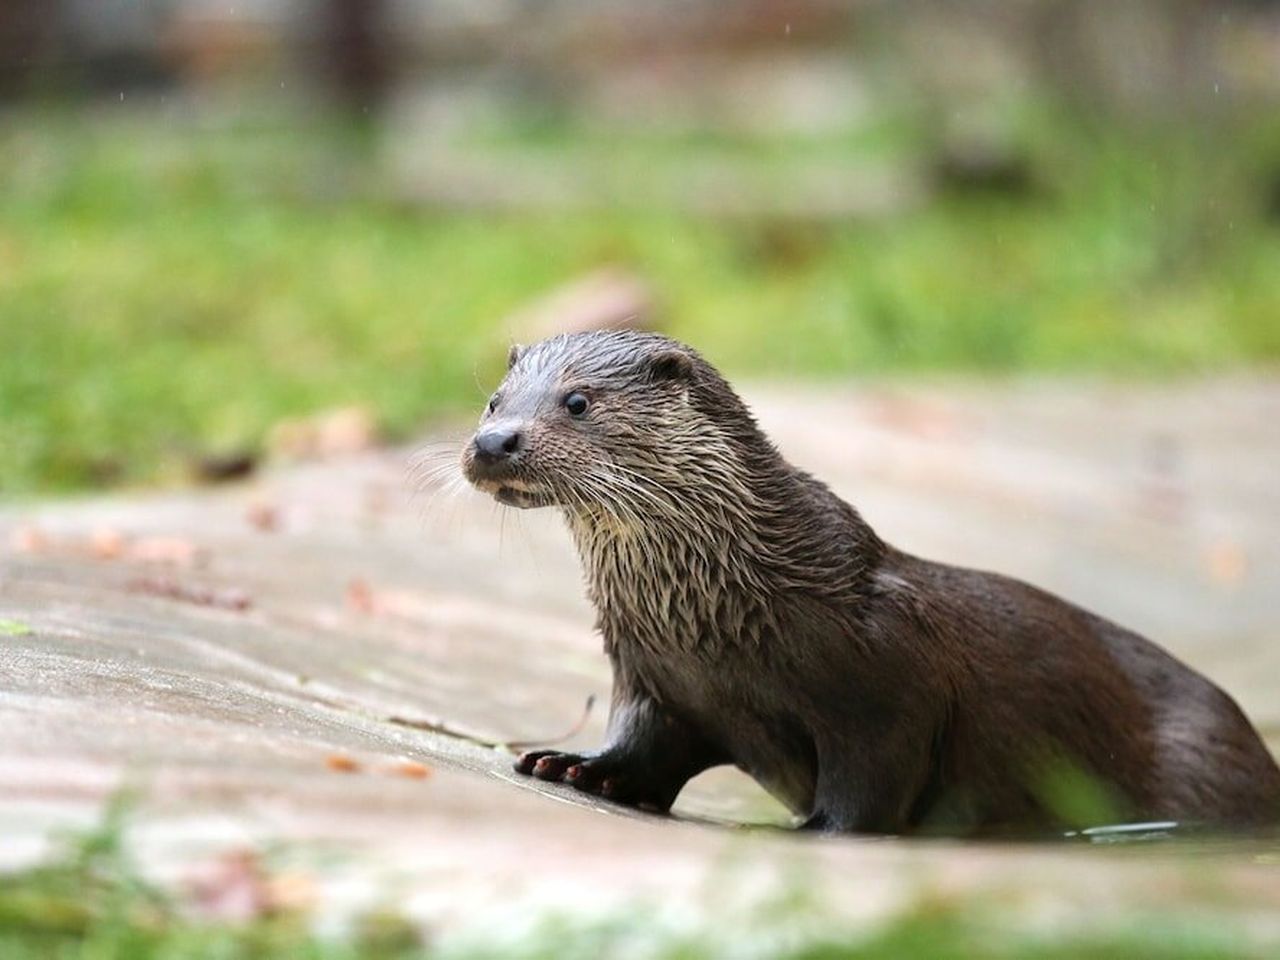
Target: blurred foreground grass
[(90, 902), (168, 288)]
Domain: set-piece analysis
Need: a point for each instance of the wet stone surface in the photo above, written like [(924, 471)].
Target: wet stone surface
[(318, 658)]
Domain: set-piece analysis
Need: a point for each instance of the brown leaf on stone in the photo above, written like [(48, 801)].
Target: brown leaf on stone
[(410, 769), (29, 539), (106, 543), (341, 763), (174, 551), (921, 418), (360, 598), (222, 599), (263, 516), (1226, 562)]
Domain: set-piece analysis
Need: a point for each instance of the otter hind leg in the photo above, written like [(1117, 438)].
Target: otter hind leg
[(873, 785), (649, 758)]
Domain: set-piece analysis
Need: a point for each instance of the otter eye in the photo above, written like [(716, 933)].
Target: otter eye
[(493, 403), (576, 404)]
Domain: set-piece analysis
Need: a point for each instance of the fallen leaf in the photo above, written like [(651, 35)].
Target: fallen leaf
[(14, 628), (360, 596), (106, 543), (263, 516), (29, 539), (341, 763), (170, 550), (223, 599), (921, 418), (1227, 562), (411, 769)]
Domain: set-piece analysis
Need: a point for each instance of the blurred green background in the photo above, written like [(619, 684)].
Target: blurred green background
[(213, 220)]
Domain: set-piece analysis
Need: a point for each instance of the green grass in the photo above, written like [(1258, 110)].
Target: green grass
[(169, 289), (90, 903)]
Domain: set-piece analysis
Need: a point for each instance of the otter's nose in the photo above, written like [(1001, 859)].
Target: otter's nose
[(496, 443)]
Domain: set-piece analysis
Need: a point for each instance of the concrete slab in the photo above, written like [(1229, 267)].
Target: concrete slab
[(317, 659)]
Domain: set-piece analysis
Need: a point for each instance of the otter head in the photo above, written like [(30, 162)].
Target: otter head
[(594, 421)]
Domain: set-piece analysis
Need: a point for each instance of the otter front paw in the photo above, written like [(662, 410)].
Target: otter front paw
[(599, 774), (546, 764)]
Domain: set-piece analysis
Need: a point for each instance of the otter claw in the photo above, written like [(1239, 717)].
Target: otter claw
[(546, 764), (584, 773), (600, 776)]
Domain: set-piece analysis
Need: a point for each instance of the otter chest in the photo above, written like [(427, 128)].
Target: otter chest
[(691, 640), (699, 642), (668, 599)]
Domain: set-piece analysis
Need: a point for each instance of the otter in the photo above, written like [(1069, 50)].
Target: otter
[(752, 617)]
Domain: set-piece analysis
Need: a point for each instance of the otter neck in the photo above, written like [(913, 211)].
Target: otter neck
[(702, 570)]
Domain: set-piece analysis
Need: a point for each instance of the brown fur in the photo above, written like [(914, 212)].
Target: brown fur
[(754, 618)]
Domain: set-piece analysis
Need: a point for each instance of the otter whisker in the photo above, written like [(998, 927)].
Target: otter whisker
[(627, 492), (429, 478), (623, 484), (436, 452), (585, 483), (445, 495), (644, 478), (648, 495), (611, 497), (428, 457), (628, 512), (428, 474), (440, 485), (662, 506)]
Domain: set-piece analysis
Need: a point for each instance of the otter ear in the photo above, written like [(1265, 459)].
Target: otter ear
[(670, 365), (514, 354)]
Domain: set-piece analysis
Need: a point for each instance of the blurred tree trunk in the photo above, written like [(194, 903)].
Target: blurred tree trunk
[(1140, 56), (29, 31), (357, 53)]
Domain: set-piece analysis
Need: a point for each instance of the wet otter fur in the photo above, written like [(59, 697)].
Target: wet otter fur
[(752, 617)]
